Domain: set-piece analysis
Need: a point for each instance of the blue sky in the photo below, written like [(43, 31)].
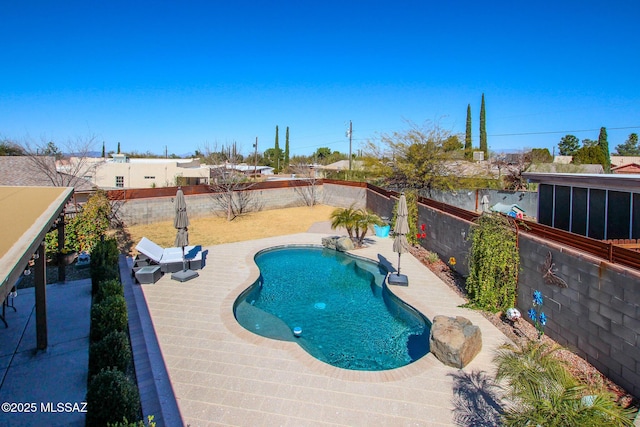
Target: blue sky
[(183, 74)]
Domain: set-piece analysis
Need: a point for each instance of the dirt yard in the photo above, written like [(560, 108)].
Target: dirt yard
[(217, 230)]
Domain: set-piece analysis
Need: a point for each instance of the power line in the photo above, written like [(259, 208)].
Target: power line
[(562, 131)]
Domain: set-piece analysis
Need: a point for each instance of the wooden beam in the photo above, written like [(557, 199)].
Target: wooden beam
[(61, 267), (41, 298)]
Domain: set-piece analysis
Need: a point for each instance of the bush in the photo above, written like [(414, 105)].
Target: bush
[(125, 423), (493, 264), (108, 316), (112, 351), (108, 288), (104, 262), (112, 398)]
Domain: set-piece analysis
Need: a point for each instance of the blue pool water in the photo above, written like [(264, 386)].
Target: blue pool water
[(346, 315)]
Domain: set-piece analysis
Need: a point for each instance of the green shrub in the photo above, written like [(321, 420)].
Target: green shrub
[(108, 316), (112, 351), (112, 398), (108, 288), (432, 257), (104, 262), (125, 423), (541, 391), (493, 264)]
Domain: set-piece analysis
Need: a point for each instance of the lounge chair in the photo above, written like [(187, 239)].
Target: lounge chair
[(170, 259)]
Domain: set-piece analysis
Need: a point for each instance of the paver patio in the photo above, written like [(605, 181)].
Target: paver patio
[(223, 374)]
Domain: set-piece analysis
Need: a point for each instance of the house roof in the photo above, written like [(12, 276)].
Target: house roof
[(604, 181), (565, 168), (22, 171), (342, 165), (627, 168)]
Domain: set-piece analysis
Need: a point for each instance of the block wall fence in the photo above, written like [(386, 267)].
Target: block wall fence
[(597, 315)]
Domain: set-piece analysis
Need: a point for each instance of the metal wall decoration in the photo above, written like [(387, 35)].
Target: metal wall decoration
[(549, 273)]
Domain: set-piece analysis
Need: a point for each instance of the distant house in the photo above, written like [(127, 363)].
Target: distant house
[(339, 166), (616, 161), (601, 206), (629, 168), (243, 168), (565, 168), (121, 171)]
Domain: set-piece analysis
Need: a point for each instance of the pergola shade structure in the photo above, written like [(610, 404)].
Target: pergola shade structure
[(27, 214), (600, 206)]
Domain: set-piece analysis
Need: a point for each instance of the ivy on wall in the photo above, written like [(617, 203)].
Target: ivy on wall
[(493, 264)]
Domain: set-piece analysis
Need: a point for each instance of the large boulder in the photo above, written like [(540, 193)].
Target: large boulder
[(344, 244), (455, 341), (330, 242), (337, 243)]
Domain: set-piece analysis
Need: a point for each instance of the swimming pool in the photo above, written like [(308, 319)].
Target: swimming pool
[(339, 305)]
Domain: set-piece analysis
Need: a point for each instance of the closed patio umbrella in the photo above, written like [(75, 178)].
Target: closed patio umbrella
[(181, 223), (400, 243)]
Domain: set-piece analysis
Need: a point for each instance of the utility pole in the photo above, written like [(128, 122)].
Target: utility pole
[(255, 159), (349, 133)]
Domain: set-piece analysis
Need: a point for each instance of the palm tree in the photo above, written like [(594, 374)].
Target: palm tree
[(356, 221), (541, 391), (344, 217), (365, 219)]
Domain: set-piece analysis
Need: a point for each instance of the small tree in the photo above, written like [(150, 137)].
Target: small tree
[(9, 148), (63, 168), (414, 158), (630, 146), (589, 155), (483, 130), (603, 144), (568, 145), (356, 221), (286, 149), (468, 146), (308, 192)]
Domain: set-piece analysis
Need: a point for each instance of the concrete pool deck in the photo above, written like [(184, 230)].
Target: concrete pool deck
[(222, 374)]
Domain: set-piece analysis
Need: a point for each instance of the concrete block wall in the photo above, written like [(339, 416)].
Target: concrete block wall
[(150, 210), (596, 316), (446, 234), (469, 199), (343, 196)]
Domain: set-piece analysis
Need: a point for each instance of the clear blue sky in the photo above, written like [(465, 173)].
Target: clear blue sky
[(181, 74)]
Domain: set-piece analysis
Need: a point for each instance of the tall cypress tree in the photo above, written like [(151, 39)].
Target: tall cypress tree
[(468, 147), (103, 151), (483, 131), (277, 152), (286, 149), (118, 148), (603, 144)]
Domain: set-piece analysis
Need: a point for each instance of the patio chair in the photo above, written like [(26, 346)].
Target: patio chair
[(170, 259)]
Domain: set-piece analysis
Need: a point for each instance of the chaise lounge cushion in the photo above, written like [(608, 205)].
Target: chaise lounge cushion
[(169, 259)]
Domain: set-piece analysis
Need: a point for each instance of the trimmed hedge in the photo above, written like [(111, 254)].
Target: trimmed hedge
[(108, 288), (104, 263), (113, 351), (112, 398), (108, 316)]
